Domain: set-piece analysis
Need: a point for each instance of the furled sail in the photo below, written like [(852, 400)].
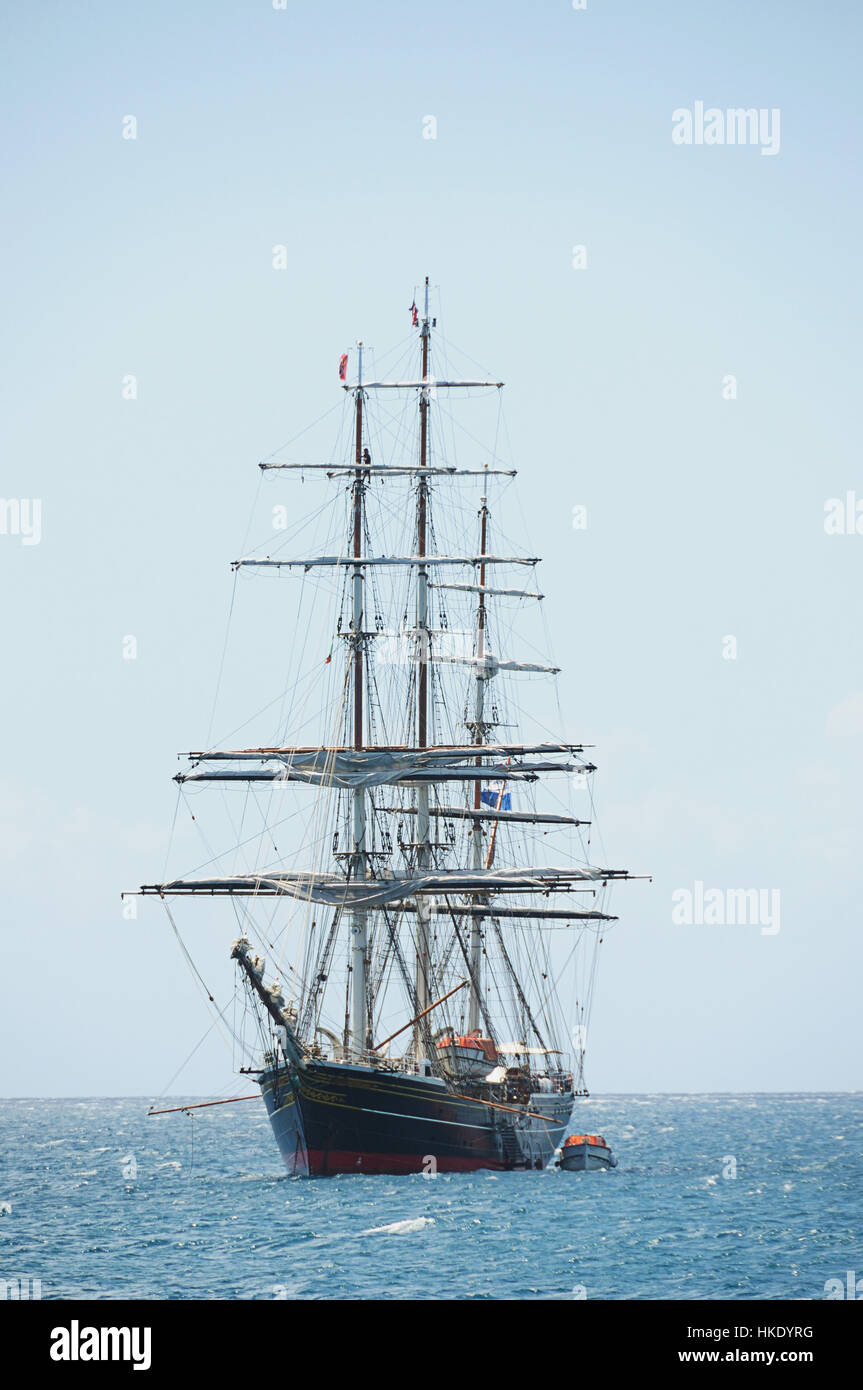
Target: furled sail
[(487, 814), (487, 666), (392, 471), (410, 560), (338, 891), (521, 914), (487, 591), (444, 751), (373, 768), (427, 381)]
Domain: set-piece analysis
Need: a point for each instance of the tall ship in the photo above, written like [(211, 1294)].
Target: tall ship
[(418, 908)]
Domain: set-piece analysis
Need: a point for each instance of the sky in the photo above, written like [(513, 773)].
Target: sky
[(690, 376)]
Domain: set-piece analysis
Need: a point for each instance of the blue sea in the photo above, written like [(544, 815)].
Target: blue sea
[(721, 1196)]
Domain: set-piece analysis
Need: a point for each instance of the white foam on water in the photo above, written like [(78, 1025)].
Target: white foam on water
[(401, 1228)]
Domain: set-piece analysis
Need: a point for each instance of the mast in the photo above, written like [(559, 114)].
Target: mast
[(359, 1022), (478, 734), (423, 941)]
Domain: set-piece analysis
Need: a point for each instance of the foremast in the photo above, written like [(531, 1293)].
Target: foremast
[(478, 738)]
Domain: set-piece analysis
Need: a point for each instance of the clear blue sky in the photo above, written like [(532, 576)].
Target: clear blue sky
[(152, 257)]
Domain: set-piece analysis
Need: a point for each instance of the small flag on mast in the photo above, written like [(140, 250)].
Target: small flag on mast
[(496, 797), (343, 366), (415, 318)]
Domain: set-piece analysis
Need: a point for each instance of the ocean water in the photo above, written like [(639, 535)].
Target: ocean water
[(750, 1196)]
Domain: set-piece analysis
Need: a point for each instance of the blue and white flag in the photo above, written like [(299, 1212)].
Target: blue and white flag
[(489, 797)]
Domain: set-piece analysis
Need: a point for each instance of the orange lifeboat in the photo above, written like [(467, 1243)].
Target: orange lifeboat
[(584, 1153), (472, 1042)]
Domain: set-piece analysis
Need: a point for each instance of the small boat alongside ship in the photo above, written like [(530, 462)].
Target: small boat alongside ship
[(585, 1153)]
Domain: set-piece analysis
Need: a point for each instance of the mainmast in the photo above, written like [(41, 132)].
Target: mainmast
[(359, 1020), (423, 940)]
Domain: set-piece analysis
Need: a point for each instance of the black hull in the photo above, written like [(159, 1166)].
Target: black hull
[(331, 1118)]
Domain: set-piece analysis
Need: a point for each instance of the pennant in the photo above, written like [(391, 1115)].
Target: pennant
[(415, 318), (343, 366), (329, 658)]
